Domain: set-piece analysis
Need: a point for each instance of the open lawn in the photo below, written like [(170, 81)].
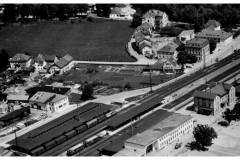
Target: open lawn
[(97, 41)]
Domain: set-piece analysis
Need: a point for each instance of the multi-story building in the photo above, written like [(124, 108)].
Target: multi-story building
[(168, 51), (156, 18), (48, 101), (20, 60), (159, 136), (218, 36), (215, 100), (198, 47)]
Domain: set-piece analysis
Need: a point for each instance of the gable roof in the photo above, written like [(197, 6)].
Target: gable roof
[(197, 42), (144, 44), (212, 24), (49, 58), (203, 94), (64, 61), (186, 32), (169, 48), (214, 33), (20, 57), (39, 59), (153, 13)]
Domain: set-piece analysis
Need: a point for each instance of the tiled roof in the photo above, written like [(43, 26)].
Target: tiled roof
[(17, 97), (186, 32), (203, 94), (144, 44), (20, 57), (39, 59), (214, 34), (49, 58), (45, 97), (153, 13), (197, 42), (64, 61), (212, 23), (169, 48)]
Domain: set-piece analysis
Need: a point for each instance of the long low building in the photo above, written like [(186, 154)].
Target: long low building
[(159, 136)]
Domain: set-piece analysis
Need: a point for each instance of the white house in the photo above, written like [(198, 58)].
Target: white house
[(39, 62), (146, 48), (63, 65), (156, 18), (186, 35), (20, 60), (49, 101), (122, 12)]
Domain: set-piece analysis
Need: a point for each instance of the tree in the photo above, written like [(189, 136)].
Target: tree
[(212, 45), (87, 92), (4, 60), (184, 58), (137, 20), (9, 13), (204, 135), (103, 10), (227, 115), (127, 86)]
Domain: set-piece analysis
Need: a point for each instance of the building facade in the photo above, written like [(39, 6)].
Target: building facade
[(156, 18), (198, 47), (168, 51), (63, 65), (20, 60), (215, 100), (159, 136)]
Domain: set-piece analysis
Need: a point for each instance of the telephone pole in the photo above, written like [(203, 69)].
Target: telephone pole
[(150, 78)]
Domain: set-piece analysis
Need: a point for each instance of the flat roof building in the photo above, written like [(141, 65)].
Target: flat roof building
[(158, 136)]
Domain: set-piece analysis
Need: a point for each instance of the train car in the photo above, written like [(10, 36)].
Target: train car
[(38, 151), (101, 118), (92, 140), (81, 129), (92, 123), (50, 144), (71, 134), (109, 114), (60, 139), (79, 147)]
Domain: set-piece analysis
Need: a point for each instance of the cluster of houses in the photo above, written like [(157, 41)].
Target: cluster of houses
[(44, 64), (45, 98), (195, 43)]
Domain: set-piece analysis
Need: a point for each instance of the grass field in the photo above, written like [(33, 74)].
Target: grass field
[(96, 41)]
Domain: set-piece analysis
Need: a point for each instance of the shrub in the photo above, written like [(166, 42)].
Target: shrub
[(223, 123)]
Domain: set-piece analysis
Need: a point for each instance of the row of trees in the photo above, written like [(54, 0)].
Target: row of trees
[(198, 14), (4, 60), (50, 11)]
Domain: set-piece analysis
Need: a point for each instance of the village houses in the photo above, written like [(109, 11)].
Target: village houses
[(20, 60)]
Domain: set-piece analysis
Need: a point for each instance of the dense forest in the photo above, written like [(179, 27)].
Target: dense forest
[(198, 14)]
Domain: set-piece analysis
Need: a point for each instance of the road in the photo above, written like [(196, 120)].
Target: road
[(161, 93)]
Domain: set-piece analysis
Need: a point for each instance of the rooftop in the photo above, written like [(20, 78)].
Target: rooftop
[(153, 13), (186, 32), (20, 57), (64, 61), (214, 33), (212, 23), (197, 42), (45, 97), (205, 95), (157, 131), (171, 47), (17, 97)]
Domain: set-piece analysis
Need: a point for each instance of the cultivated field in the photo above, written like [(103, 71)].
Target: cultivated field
[(100, 40)]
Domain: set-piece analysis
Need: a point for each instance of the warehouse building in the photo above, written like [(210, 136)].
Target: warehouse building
[(48, 101), (159, 136)]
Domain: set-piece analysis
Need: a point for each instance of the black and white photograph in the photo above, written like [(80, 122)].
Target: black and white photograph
[(119, 79)]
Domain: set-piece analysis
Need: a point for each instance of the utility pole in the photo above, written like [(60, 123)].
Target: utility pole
[(150, 78), (15, 138)]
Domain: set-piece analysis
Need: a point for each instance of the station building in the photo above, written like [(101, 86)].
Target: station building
[(158, 136)]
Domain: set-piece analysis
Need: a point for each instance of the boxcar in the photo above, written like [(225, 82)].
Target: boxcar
[(75, 149), (38, 151), (101, 118), (71, 134), (50, 144), (81, 129), (60, 139), (91, 123)]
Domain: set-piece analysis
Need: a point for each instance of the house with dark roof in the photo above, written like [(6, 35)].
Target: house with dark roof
[(156, 18), (63, 65), (214, 100), (122, 12), (168, 51), (146, 48), (212, 25), (218, 36), (20, 60)]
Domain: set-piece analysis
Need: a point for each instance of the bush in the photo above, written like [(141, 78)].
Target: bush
[(223, 123)]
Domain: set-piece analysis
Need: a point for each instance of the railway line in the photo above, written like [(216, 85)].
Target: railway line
[(115, 143), (134, 111)]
